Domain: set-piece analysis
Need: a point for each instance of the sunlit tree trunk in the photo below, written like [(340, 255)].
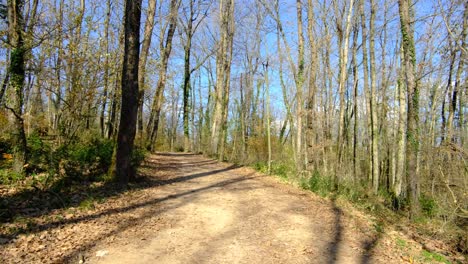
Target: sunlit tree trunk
[(412, 133), (166, 48), (312, 89), (223, 75), (299, 87), (373, 103), (106, 69), (401, 134), (365, 63), (453, 97), (344, 49), (355, 100), (145, 46), (187, 74), (16, 80)]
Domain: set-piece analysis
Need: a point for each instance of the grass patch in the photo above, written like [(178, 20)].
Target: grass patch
[(430, 257), (9, 177), (87, 204), (401, 243), (318, 184)]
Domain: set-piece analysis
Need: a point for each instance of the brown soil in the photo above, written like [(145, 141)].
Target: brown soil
[(196, 210)]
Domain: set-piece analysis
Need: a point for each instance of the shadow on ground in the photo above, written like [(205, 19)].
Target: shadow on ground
[(66, 193), (334, 246)]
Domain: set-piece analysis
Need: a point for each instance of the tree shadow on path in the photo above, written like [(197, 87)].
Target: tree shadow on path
[(333, 247), (37, 203)]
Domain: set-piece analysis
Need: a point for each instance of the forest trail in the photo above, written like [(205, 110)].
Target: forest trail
[(203, 211)]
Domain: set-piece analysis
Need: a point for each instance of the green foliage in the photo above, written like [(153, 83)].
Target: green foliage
[(138, 156), (8, 176), (431, 257), (318, 184), (280, 170), (428, 206), (39, 154), (260, 166), (87, 159), (87, 204)]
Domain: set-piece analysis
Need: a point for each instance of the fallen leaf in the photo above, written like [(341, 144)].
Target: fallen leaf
[(101, 253)]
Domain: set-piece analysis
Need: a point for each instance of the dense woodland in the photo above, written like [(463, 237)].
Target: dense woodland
[(367, 98)]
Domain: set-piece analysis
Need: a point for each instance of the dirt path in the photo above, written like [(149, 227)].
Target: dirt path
[(208, 212), (190, 209)]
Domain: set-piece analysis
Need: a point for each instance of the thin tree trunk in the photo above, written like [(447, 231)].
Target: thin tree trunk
[(312, 87), (145, 46), (373, 103), (166, 48), (223, 69), (401, 135), (366, 82), (268, 117), (187, 73), (299, 87), (355, 103), (106, 69), (341, 86), (458, 80)]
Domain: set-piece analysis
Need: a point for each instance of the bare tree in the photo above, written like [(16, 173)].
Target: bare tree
[(166, 48), (145, 46), (223, 75)]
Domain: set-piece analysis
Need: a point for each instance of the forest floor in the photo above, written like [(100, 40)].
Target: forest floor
[(190, 209)]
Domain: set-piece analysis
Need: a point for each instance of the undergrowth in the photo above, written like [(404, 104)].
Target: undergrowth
[(384, 206), (85, 159)]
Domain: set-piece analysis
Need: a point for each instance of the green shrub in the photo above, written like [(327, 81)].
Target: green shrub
[(138, 156), (318, 184), (39, 159), (428, 206), (261, 167), (86, 159), (8, 176), (280, 170)]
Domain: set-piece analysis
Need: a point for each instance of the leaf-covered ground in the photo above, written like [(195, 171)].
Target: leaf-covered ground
[(189, 209)]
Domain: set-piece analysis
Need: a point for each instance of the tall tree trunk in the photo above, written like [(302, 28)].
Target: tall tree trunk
[(227, 80), (223, 75), (268, 117), (106, 69), (344, 40), (166, 48), (355, 101), (312, 87), (401, 135), (458, 79), (124, 171), (373, 103), (145, 46), (365, 64), (299, 87), (187, 73), (16, 80), (412, 133)]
